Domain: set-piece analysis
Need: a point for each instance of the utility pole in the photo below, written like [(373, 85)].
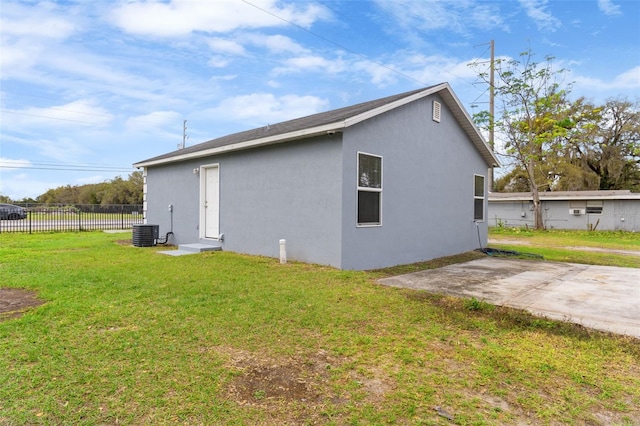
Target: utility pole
[(491, 111), (492, 69), (184, 135)]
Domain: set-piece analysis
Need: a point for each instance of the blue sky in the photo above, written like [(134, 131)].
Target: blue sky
[(90, 87)]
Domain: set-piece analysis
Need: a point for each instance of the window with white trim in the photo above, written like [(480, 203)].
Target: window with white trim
[(369, 189), (478, 198)]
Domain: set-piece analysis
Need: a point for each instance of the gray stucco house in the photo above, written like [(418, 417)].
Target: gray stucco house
[(584, 210), (381, 183)]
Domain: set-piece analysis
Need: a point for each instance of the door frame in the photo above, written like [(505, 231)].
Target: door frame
[(203, 195)]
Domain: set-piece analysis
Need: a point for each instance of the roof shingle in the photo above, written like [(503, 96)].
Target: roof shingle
[(297, 128)]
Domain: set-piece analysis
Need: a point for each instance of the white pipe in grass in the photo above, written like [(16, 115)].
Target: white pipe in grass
[(283, 251)]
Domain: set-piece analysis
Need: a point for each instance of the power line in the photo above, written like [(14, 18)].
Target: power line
[(67, 169), (394, 70), (336, 44), (93, 167), (49, 163), (249, 3), (69, 110), (45, 116)]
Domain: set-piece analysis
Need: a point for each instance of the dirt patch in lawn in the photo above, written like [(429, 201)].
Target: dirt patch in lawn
[(14, 302), (299, 389)]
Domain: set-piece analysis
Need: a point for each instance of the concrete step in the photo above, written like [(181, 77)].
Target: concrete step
[(194, 248), (199, 247)]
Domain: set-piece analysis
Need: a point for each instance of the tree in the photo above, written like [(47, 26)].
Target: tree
[(534, 114), (115, 191), (599, 151), (515, 180), (612, 152)]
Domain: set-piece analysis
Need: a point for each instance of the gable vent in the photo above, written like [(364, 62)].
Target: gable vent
[(437, 108)]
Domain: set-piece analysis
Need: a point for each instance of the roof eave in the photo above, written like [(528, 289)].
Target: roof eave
[(576, 195), (443, 89), (270, 140), (467, 124)]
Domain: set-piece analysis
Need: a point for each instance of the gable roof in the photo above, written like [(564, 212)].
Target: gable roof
[(327, 122)]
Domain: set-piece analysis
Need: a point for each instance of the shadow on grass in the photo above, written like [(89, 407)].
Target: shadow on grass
[(478, 315), (429, 264), (473, 314)]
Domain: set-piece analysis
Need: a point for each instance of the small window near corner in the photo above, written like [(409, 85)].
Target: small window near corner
[(437, 110), (369, 190), (478, 198)]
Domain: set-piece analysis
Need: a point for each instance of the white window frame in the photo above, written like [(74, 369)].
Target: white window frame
[(368, 189), (478, 197)]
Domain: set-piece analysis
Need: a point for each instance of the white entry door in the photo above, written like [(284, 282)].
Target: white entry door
[(211, 202)]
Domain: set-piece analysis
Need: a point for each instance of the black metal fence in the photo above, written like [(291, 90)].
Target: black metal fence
[(76, 217)]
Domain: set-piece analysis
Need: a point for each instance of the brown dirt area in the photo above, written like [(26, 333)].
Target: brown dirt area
[(14, 302), (299, 389)]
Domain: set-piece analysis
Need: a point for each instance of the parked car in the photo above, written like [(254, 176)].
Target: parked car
[(11, 212)]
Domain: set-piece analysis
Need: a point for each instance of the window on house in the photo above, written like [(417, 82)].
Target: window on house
[(594, 206), (577, 207), (478, 198), (369, 189)]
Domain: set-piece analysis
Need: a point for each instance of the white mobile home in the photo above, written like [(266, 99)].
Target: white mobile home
[(586, 210)]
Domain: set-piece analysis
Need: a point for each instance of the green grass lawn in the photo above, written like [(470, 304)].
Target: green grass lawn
[(128, 336), (567, 246)]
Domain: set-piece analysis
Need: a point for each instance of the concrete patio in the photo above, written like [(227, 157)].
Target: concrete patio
[(600, 297)]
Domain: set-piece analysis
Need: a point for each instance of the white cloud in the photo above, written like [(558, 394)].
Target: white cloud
[(80, 72), (10, 165), (77, 113), (537, 10), (153, 121), (422, 69), (29, 31), (263, 108), (608, 8), (458, 16), (226, 46), (18, 57), (227, 77), (60, 148), (218, 61), (311, 63), (42, 22), (183, 17), (380, 75), (276, 43), (628, 80)]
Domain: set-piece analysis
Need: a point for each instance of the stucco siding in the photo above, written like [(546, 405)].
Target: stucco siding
[(427, 196), (178, 186), (290, 192)]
